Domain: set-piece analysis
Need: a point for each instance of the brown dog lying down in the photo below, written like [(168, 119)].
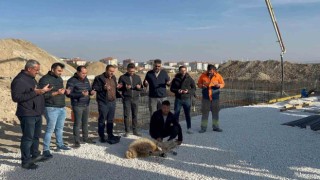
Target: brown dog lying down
[(145, 147)]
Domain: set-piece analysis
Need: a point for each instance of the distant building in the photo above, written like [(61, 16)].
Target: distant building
[(109, 61), (188, 68), (172, 64), (77, 61), (126, 62), (169, 69), (204, 66), (186, 63), (196, 66)]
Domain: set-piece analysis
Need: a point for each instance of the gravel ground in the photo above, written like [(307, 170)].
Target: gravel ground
[(253, 145)]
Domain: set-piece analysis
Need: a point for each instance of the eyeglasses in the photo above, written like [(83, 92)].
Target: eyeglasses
[(157, 66)]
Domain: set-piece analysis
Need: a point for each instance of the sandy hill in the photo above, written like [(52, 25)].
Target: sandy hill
[(15, 52), (97, 68), (13, 56), (269, 70)]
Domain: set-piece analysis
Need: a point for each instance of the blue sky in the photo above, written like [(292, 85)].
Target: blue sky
[(203, 30)]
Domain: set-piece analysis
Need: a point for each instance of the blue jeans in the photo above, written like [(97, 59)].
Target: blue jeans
[(55, 123), (31, 131), (186, 104)]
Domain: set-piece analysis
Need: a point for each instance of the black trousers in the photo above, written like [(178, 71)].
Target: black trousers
[(31, 132), (130, 105), (171, 132), (106, 114), (81, 116)]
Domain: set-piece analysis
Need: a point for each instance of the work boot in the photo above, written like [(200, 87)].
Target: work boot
[(217, 129)]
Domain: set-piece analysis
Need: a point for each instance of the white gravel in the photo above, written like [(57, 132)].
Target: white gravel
[(253, 145)]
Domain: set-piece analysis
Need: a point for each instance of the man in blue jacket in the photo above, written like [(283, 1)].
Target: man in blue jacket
[(80, 92), (29, 97), (157, 80), (130, 85)]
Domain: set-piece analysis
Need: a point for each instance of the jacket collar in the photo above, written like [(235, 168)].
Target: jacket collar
[(52, 74)]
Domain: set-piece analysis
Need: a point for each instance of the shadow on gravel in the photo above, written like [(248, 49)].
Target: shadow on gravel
[(70, 167)]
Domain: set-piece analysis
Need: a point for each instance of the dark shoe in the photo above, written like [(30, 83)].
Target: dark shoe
[(63, 147), (202, 131), (164, 155), (113, 137), (103, 140), (174, 153), (113, 141), (217, 129), (136, 133), (30, 165), (77, 144), (89, 141), (47, 154), (39, 158)]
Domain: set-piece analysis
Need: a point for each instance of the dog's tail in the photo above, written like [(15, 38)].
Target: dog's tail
[(131, 154)]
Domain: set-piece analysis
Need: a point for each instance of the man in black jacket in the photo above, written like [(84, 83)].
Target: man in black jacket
[(164, 124), (55, 111), (184, 88), (157, 80), (130, 85), (106, 87), (80, 92), (30, 107)]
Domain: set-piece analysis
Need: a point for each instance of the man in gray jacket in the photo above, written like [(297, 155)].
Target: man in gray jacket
[(130, 85)]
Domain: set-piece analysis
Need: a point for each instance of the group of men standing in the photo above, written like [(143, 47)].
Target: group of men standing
[(48, 98)]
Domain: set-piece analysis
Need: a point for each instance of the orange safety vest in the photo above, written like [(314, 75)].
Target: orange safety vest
[(204, 80)]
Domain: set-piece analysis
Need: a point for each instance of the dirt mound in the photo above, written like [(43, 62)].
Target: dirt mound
[(269, 71), (15, 52), (13, 56), (8, 107), (97, 68)]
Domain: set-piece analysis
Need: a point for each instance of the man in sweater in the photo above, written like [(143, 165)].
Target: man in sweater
[(130, 85), (55, 111), (183, 87), (80, 92), (164, 124), (157, 80), (106, 87), (29, 97)]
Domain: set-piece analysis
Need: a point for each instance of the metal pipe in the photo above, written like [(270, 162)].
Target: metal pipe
[(283, 49), (275, 25)]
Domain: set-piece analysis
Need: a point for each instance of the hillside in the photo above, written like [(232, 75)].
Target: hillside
[(13, 55), (15, 52), (269, 70), (97, 68)]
